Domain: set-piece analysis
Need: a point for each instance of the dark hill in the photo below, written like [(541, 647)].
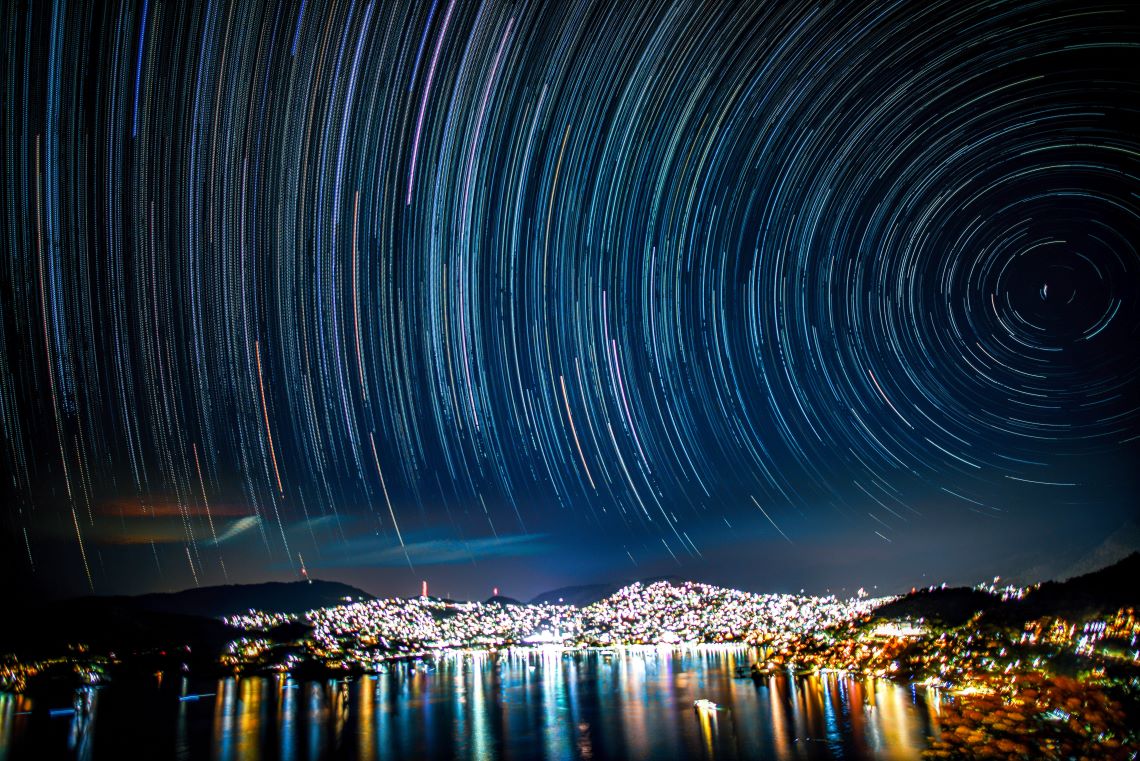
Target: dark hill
[(109, 624), (1094, 594), (947, 607), (580, 595), (1098, 593), (158, 622), (588, 594), (502, 600), (277, 597)]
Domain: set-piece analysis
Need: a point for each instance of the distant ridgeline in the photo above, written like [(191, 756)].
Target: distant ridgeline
[(279, 597)]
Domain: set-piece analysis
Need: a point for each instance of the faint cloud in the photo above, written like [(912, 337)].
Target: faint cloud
[(170, 530), (373, 551), (238, 527)]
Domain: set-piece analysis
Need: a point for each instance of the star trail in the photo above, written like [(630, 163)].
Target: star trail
[(394, 284)]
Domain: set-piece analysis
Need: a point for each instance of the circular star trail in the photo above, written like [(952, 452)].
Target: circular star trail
[(502, 270)]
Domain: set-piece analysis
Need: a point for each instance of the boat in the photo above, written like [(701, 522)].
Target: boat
[(197, 696), (743, 672), (758, 672)]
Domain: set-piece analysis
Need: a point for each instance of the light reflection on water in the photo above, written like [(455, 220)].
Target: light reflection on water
[(537, 704)]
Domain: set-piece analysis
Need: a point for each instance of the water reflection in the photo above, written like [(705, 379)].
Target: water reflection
[(79, 737), (546, 704)]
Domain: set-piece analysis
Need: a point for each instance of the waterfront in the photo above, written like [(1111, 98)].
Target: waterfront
[(631, 703)]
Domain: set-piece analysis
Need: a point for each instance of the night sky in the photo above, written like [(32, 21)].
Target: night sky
[(771, 294)]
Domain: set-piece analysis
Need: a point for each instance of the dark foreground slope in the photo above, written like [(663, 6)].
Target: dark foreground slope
[(949, 607), (109, 625), (1099, 593), (157, 622)]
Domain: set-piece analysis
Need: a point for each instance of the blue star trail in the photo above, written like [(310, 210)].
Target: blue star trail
[(280, 278)]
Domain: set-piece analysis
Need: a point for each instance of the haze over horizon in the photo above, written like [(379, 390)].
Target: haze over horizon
[(771, 296)]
